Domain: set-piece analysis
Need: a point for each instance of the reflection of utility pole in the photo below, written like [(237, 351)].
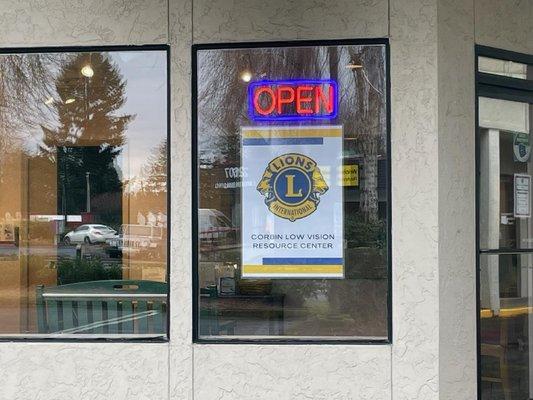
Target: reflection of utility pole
[(63, 177), (87, 175), (86, 102), (87, 72)]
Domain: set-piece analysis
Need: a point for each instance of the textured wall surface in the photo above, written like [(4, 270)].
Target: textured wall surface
[(82, 22), (243, 20), (505, 24), (415, 199), (36, 371), (457, 237), (181, 174), (181, 349), (292, 372)]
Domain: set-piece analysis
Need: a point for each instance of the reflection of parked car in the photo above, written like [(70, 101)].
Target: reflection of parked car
[(90, 233), (215, 228), (134, 238)]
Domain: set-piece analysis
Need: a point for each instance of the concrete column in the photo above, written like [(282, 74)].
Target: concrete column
[(456, 175), (415, 158), (181, 350), (434, 348)]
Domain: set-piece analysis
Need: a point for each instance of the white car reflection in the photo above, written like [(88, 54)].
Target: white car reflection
[(136, 238), (89, 233), (215, 228)]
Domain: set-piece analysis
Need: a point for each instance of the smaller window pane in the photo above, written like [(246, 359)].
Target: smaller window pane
[(502, 67)]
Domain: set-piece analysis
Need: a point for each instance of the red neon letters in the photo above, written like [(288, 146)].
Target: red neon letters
[(279, 100)]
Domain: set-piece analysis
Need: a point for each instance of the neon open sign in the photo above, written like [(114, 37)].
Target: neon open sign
[(291, 100)]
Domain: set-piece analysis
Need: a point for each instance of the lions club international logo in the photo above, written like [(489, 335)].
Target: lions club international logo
[(292, 185)]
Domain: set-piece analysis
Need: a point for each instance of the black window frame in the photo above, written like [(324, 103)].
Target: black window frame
[(502, 88), (195, 48), (113, 48)]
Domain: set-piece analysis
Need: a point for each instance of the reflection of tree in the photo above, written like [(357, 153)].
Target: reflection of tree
[(151, 195), (370, 113), (25, 84), (90, 133), (91, 118), (222, 102), (222, 94), (155, 172)]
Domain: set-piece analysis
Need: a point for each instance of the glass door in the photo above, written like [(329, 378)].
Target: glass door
[(505, 228)]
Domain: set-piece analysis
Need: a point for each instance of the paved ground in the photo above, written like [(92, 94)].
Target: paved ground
[(60, 250)]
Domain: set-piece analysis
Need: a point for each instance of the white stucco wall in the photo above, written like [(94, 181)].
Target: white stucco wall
[(456, 193), (91, 22), (433, 354), (505, 24), (415, 202), (244, 20)]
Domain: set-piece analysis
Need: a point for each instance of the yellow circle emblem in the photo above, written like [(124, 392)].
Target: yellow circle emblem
[(292, 185)]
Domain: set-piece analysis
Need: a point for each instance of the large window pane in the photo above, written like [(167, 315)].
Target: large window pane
[(83, 209), (505, 174), (293, 187)]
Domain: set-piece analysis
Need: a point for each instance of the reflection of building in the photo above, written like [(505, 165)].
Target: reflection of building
[(221, 183)]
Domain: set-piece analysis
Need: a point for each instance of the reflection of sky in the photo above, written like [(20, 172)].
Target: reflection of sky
[(145, 74), (146, 98)]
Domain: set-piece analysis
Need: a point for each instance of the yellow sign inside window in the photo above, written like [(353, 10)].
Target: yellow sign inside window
[(350, 175)]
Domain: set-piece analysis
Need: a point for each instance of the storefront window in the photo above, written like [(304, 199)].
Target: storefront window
[(293, 193), (83, 194)]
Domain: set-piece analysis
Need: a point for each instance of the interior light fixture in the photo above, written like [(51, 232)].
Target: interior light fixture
[(87, 71), (246, 76), (69, 101), (354, 66)]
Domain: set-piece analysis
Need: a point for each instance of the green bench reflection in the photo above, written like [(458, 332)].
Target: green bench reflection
[(103, 307)]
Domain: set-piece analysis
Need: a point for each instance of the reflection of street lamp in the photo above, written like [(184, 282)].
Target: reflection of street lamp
[(87, 71), (87, 175), (246, 76)]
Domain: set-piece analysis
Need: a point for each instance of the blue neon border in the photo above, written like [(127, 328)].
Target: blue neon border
[(292, 82), (282, 141)]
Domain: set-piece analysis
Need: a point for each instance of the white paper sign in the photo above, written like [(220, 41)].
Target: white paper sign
[(522, 185), (292, 216)]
